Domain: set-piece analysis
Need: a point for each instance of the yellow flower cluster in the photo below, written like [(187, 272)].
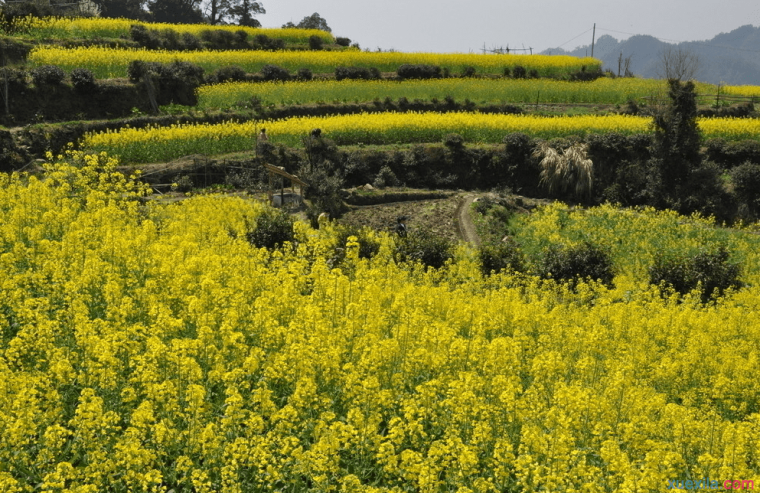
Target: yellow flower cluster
[(150, 347), (600, 91), (96, 27), (156, 144), (742, 90), (112, 62)]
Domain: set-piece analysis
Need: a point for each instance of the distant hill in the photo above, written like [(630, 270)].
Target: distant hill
[(732, 58)]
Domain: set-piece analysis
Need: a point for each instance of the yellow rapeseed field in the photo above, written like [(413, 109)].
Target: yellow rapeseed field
[(601, 91), (742, 90), (149, 347), (163, 143), (111, 62), (95, 27)]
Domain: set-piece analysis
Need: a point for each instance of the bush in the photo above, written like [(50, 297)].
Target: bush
[(586, 75), (16, 78), (315, 42), (533, 74), (264, 42), (519, 172), (746, 181), (232, 73), (425, 247), (420, 71), (731, 154), (343, 41), (454, 142), (356, 73), (167, 39), (274, 73), (48, 75), (506, 72), (191, 42), (368, 243), (519, 72), (709, 272), (218, 39), (571, 264), (468, 71), (175, 82), (272, 229), (385, 178), (496, 257), (83, 80), (146, 38), (304, 74)]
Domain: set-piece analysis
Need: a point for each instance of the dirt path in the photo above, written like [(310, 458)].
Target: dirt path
[(464, 221)]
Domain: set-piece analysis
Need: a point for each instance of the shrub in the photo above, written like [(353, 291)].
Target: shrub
[(746, 181), (83, 80), (425, 247), (519, 170), (571, 264), (419, 71), (264, 42), (586, 75), (368, 243), (315, 42), (144, 37), (731, 154), (272, 229), (48, 75), (533, 74), (506, 72), (175, 82), (191, 42), (468, 71), (218, 39), (304, 74), (274, 73), (343, 41), (496, 257), (232, 73), (16, 78), (710, 272), (385, 178), (454, 142), (356, 73), (519, 72)]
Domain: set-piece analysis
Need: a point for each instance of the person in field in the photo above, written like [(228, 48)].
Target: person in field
[(401, 226)]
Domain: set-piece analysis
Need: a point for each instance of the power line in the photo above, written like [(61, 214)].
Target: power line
[(581, 34), (703, 43)]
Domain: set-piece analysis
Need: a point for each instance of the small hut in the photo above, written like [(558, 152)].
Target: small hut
[(282, 198)]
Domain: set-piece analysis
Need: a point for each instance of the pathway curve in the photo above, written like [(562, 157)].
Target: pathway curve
[(464, 221)]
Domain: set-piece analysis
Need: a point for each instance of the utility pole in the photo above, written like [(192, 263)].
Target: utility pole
[(593, 38)]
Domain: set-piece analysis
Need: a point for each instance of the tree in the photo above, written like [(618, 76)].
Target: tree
[(676, 138), (313, 21), (244, 11), (678, 63), (176, 11), (127, 9), (217, 10)]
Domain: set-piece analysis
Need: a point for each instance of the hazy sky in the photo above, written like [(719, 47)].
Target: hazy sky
[(458, 26)]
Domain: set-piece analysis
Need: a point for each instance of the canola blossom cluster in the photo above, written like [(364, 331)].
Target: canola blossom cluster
[(600, 91), (96, 27), (155, 144), (113, 62), (149, 347)]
